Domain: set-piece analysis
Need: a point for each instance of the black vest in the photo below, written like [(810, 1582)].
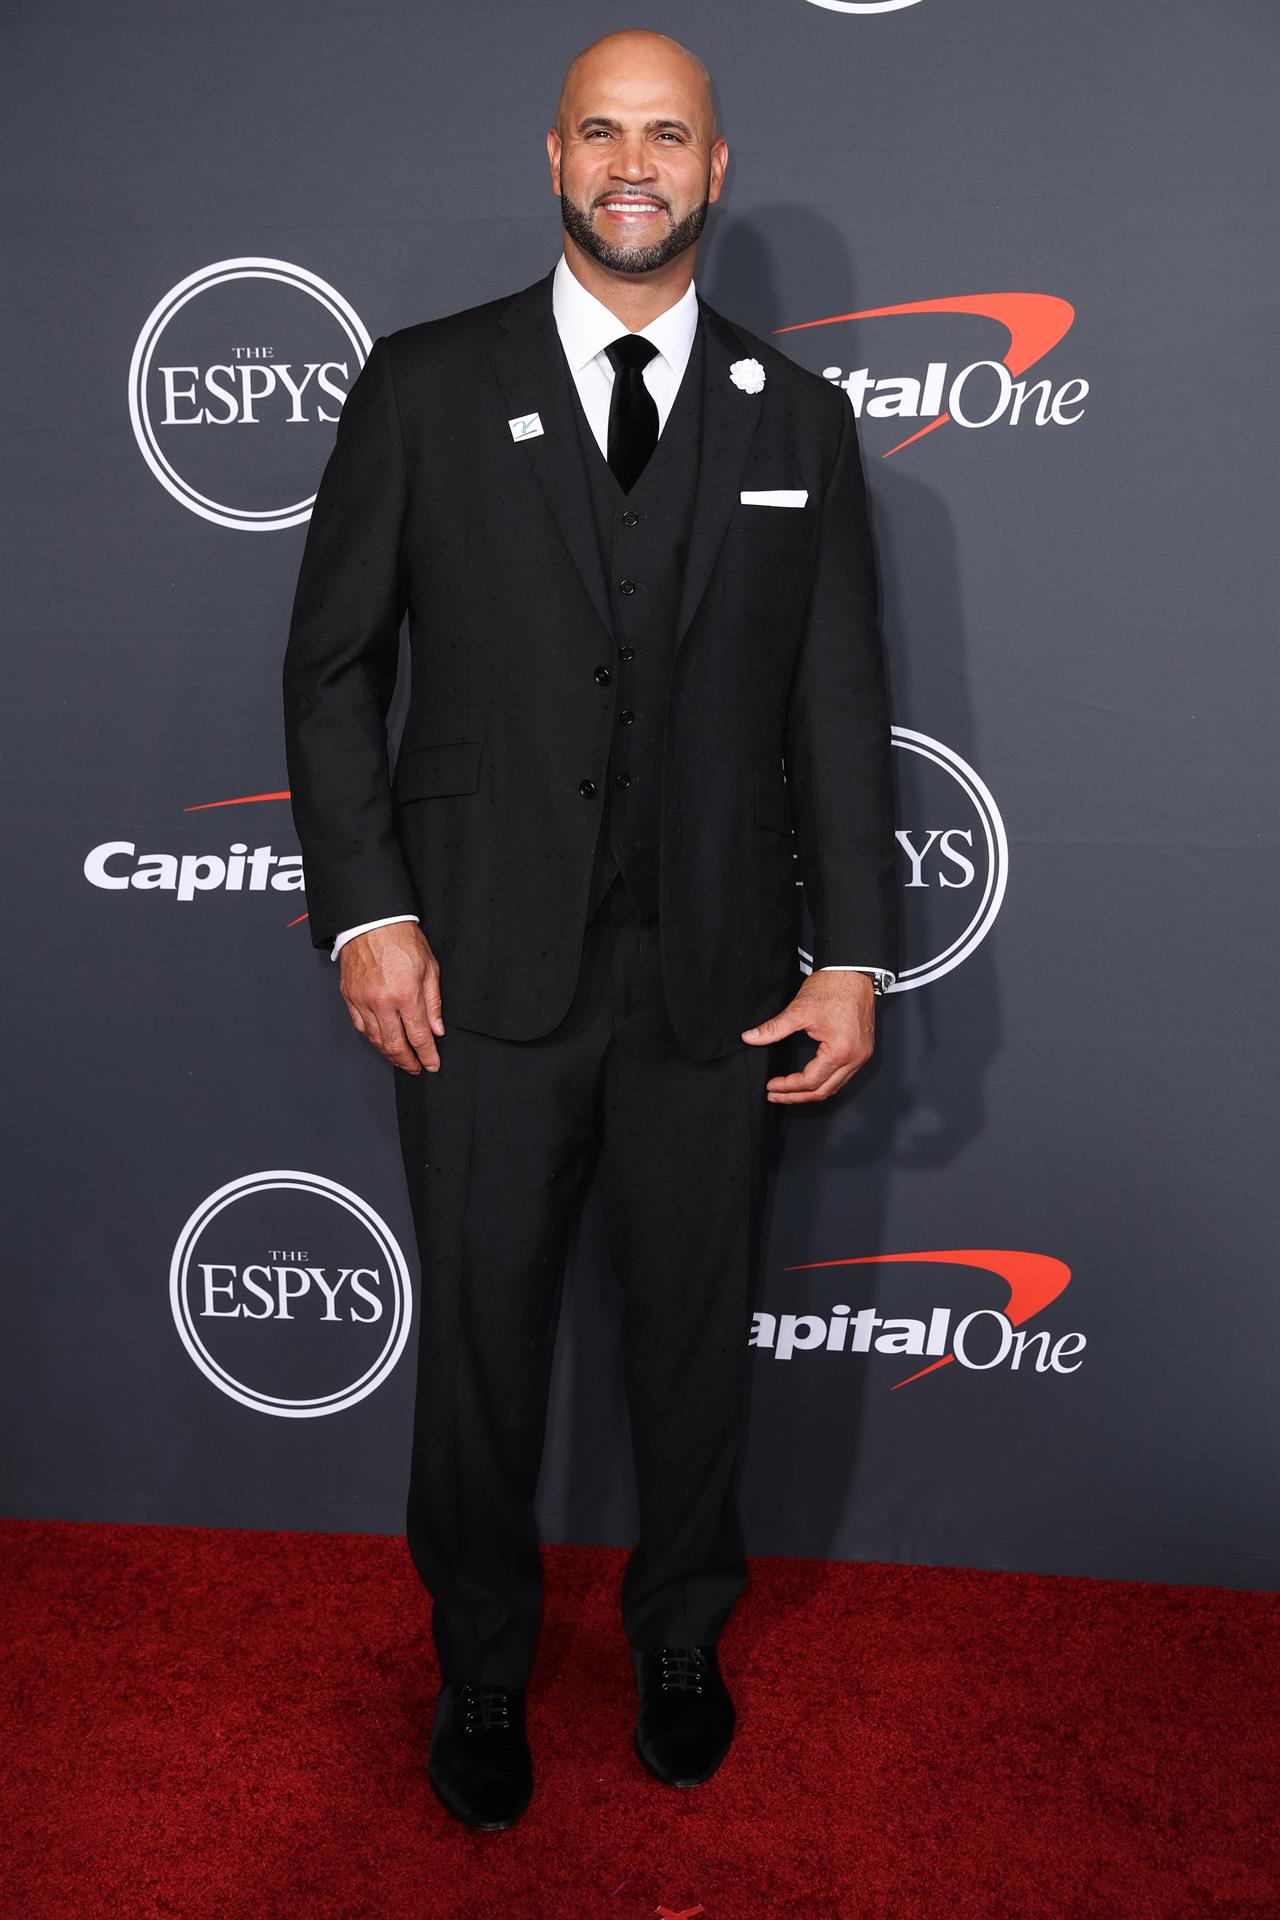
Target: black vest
[(644, 542)]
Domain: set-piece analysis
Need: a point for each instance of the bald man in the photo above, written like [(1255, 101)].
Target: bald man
[(647, 687)]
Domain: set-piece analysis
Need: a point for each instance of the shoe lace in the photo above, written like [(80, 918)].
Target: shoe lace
[(682, 1669), (486, 1708)]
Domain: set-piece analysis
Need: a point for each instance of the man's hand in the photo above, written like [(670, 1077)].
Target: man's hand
[(390, 980), (838, 1011)]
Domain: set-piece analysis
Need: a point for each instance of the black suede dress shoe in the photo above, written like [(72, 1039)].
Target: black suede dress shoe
[(686, 1719), (479, 1763)]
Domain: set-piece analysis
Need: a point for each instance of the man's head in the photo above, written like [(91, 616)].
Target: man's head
[(635, 154)]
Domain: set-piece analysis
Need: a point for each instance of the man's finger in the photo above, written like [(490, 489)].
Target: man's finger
[(819, 1067), (382, 1029), (432, 1000), (824, 1091), (395, 1045), (365, 1017), (825, 1074), (777, 1027), (418, 1029)]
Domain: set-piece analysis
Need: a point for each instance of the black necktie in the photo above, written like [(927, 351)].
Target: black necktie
[(633, 416)]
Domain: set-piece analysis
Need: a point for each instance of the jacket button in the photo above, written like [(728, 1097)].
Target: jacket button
[(628, 653), (630, 519), (622, 779), (626, 717), (626, 586), (586, 788), (603, 676)]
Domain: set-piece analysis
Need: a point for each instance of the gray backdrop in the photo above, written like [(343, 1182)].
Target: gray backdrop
[(1073, 1089)]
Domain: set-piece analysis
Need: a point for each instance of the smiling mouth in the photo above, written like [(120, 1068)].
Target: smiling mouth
[(629, 208)]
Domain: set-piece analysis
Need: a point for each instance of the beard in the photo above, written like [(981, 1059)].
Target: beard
[(680, 235)]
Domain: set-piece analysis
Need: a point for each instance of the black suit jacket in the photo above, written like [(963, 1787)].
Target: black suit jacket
[(429, 505)]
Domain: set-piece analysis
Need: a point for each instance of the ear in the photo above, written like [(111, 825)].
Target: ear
[(719, 161), (553, 157)]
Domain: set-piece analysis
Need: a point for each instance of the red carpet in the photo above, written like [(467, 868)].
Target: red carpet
[(232, 1726)]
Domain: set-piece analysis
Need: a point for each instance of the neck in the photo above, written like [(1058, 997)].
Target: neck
[(635, 299)]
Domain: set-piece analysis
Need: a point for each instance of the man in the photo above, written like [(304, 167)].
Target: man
[(633, 544)]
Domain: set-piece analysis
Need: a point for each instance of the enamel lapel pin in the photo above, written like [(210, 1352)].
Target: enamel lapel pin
[(525, 426)]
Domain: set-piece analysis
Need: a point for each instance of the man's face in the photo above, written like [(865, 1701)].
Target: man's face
[(634, 155)]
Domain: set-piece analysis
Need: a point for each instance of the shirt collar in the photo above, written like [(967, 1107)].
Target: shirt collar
[(586, 326)]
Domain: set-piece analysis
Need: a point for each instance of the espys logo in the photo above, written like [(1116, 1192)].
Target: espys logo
[(257, 346), (953, 859), (290, 1294), (864, 6), (985, 1336), (981, 392)]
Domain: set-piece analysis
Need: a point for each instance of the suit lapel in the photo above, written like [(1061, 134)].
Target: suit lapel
[(729, 421), (534, 376)]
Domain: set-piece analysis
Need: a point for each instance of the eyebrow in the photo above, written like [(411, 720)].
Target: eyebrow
[(654, 126)]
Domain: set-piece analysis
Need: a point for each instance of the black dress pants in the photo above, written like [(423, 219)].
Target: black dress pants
[(498, 1147)]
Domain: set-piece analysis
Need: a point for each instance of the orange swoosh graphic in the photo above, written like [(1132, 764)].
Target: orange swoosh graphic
[(247, 800), (243, 800), (1033, 1280), (1034, 322)]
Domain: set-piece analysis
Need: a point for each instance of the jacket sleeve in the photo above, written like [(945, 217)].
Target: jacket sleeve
[(838, 745), (340, 665)]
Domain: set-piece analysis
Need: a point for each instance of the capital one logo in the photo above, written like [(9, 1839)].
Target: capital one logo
[(953, 860), (236, 384), (990, 1333), (190, 874), (290, 1294), (957, 376), (198, 871)]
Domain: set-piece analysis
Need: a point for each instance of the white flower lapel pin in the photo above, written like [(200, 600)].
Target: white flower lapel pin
[(747, 374)]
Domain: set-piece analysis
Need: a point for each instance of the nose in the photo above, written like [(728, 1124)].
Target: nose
[(631, 160)]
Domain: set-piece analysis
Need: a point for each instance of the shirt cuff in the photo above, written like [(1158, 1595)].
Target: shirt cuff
[(368, 927), (881, 974)]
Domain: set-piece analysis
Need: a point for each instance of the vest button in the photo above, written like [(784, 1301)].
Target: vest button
[(586, 788), (628, 653), (622, 779), (626, 586), (630, 519), (626, 717), (603, 676)]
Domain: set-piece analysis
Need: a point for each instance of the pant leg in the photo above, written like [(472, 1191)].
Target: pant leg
[(687, 1152), (497, 1147)]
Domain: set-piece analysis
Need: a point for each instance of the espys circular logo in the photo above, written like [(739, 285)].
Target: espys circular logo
[(953, 860), (290, 1294), (954, 857), (234, 346), (864, 6)]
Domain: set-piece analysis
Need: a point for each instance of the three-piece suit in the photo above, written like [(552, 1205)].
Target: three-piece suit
[(635, 720)]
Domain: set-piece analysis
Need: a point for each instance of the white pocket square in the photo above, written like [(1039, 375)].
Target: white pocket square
[(776, 497)]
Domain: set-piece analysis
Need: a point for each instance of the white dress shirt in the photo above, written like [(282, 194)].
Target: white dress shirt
[(586, 327)]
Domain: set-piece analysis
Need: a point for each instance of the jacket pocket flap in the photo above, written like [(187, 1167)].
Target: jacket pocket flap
[(773, 807), (445, 766)]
